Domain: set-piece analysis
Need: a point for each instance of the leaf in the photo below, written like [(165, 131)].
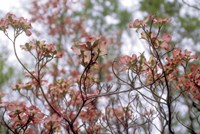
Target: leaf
[(152, 61), (95, 43), (28, 86)]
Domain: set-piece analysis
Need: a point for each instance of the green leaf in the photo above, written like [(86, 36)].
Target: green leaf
[(95, 43)]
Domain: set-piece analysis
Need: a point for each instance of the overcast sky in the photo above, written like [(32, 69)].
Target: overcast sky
[(8, 5)]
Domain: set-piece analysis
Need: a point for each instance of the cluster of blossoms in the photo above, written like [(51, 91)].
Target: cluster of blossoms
[(43, 49), (150, 19), (91, 49), (19, 24), (190, 81), (60, 88), (21, 116), (160, 48)]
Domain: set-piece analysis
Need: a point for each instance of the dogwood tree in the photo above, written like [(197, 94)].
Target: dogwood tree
[(142, 94)]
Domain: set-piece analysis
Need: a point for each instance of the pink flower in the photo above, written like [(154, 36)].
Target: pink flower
[(28, 32), (165, 46), (128, 59), (166, 37)]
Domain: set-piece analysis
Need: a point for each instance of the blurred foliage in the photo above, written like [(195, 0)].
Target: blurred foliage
[(161, 8), (97, 12), (5, 72)]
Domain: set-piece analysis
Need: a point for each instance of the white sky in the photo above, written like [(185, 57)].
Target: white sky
[(8, 5)]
